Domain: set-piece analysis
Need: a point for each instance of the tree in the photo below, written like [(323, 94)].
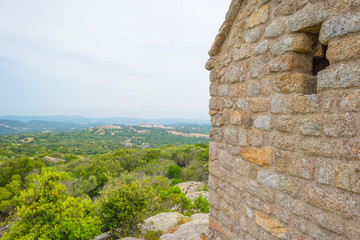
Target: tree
[(124, 206), (45, 212)]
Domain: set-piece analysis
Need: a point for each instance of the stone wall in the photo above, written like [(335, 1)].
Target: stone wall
[(285, 145)]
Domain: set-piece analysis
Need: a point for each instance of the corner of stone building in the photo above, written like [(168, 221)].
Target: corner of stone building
[(285, 145)]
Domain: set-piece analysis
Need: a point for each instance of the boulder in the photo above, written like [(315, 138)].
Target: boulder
[(193, 189), (131, 238), (197, 229), (163, 221), (103, 236)]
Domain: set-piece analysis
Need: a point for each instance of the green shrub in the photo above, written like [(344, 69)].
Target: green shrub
[(174, 171), (152, 235), (45, 212), (123, 207), (201, 204)]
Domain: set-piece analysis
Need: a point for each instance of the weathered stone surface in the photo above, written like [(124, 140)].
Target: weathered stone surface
[(305, 104), (238, 90), (219, 39), (231, 135), (309, 18), (228, 103), (310, 127), (271, 225), (216, 135), (283, 142), (215, 103), (252, 35), (216, 120), (210, 64), (350, 150), (263, 123), (235, 118), (260, 16), (279, 104), (258, 156), (291, 62), (257, 67), (162, 221), (255, 138), (269, 102), (131, 238), (276, 28), (213, 90), (350, 102), (287, 8), (290, 186), (300, 43), (348, 177), (332, 201), (325, 171), (339, 125), (292, 83), (259, 105), (301, 167), (243, 105), (196, 229), (223, 90), (247, 120), (315, 146), (268, 178), (253, 89), (244, 51), (103, 236), (339, 25), (233, 74), (343, 49), (339, 76), (193, 189), (263, 192), (261, 48), (285, 124)]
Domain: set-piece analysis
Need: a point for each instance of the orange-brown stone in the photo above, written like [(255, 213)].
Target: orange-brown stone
[(292, 83), (235, 118), (260, 16), (270, 225), (258, 156)]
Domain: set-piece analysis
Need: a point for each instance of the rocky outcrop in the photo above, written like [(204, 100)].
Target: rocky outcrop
[(193, 189), (163, 222), (196, 229)]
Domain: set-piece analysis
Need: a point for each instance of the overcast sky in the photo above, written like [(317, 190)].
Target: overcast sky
[(107, 58)]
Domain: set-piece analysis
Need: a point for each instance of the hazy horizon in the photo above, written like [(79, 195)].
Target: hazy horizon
[(112, 58)]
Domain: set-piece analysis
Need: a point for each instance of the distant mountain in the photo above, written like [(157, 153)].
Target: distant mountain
[(115, 120), (12, 127)]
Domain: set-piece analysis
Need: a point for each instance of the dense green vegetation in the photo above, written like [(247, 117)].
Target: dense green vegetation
[(100, 186), (88, 142)]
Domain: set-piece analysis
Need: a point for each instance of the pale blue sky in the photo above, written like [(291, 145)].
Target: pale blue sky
[(107, 58)]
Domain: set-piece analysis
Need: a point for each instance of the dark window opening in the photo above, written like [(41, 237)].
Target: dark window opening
[(320, 62)]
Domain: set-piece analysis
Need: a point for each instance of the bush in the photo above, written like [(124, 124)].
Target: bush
[(174, 171), (123, 207), (45, 212), (201, 204)]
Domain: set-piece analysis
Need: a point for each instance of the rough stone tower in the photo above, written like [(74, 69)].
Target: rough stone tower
[(285, 111)]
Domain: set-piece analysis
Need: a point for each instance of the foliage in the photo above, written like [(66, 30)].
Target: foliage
[(47, 213), (93, 166), (152, 235), (123, 207), (174, 171), (201, 204), (13, 179)]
